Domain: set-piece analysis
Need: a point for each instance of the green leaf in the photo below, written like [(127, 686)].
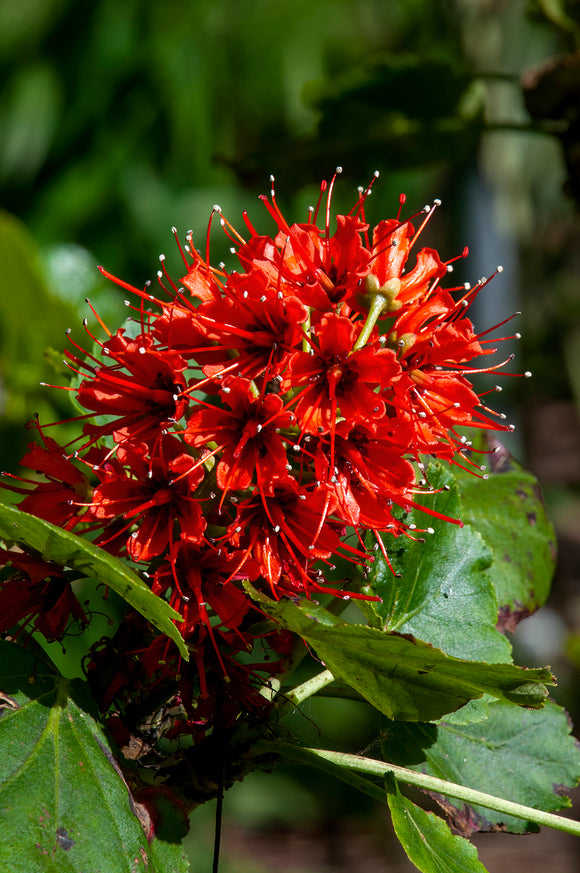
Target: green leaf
[(443, 595), (522, 755), (508, 511), (64, 804), (426, 838), (402, 677), (64, 548)]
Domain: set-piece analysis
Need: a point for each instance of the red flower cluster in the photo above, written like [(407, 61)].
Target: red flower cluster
[(255, 425)]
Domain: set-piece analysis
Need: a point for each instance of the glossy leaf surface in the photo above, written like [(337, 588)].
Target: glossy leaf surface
[(441, 593), (521, 755), (427, 839), (402, 677), (64, 804), (67, 550), (508, 511)]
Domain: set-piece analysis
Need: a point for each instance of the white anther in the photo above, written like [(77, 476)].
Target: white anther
[(467, 286), (161, 258), (339, 169), (449, 268), (216, 208), (142, 351), (500, 269), (437, 202), (528, 374)]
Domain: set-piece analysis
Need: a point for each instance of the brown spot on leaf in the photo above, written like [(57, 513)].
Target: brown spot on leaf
[(462, 818), (141, 812), (507, 558), (509, 617), (532, 518), (63, 840)]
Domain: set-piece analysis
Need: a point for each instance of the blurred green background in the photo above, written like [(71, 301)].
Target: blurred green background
[(119, 120)]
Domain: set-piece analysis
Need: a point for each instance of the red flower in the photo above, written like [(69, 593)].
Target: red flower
[(325, 270), (262, 328), (59, 500), (157, 491), (143, 389), (392, 241), (200, 582), (369, 472), (287, 531), (247, 436), (38, 592), (339, 377)]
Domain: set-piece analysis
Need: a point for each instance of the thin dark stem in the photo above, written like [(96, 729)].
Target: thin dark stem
[(218, 821), (220, 738)]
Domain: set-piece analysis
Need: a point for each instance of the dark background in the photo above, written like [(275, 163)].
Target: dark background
[(119, 120)]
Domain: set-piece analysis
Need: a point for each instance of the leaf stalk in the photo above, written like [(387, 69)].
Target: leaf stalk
[(322, 758)]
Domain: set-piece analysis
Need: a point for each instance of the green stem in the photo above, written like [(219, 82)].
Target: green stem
[(309, 688), (324, 759), (379, 302), (306, 329)]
